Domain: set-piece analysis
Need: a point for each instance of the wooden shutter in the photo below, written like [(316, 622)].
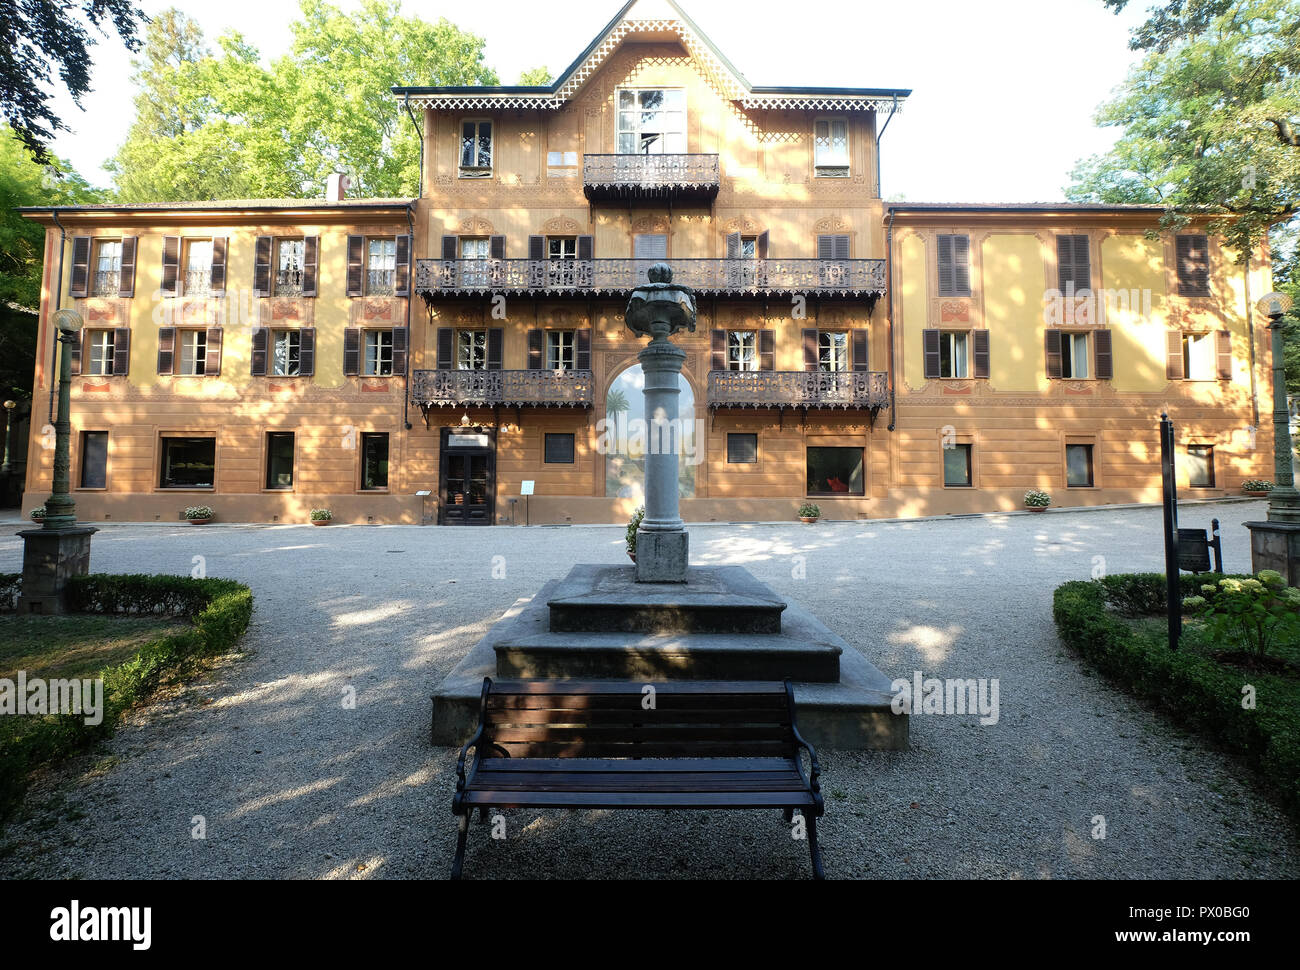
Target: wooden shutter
[(449, 247), (860, 349), (217, 278), (126, 282), (171, 266), (1073, 264), (260, 339), (930, 350), (351, 351), (73, 347), (961, 265), (1192, 252), (400, 349), (1174, 355), (1052, 350), (810, 350), (536, 247), (446, 336), (262, 266), (945, 266), (307, 351), (718, 349), (833, 246), (767, 350), (1224, 355), (733, 245), (1102, 350), (121, 351), (536, 349), (356, 265), (80, 284), (497, 247), (310, 257), (582, 349), (402, 270), (212, 356), (166, 349), (981, 352), (586, 247), (496, 339), (760, 245)]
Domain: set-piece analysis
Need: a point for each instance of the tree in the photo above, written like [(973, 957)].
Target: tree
[(536, 77), (40, 37)]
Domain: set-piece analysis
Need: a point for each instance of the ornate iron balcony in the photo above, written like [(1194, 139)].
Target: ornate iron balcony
[(650, 176), (867, 390), (516, 388), (824, 277)]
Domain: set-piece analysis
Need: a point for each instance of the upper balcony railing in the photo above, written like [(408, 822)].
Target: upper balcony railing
[(617, 177), (840, 277), (864, 390), (515, 388)]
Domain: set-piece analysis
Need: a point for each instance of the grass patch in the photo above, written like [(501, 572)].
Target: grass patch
[(76, 645)]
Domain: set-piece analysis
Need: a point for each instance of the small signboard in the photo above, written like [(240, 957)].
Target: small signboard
[(468, 441), (527, 488)]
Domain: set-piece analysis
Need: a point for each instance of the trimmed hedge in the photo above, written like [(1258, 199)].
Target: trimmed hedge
[(1194, 690), (220, 610), (10, 583)]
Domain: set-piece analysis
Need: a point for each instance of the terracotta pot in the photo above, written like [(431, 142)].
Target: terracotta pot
[(632, 556), (810, 519), (200, 521), (1036, 508), (321, 521), (1260, 494)]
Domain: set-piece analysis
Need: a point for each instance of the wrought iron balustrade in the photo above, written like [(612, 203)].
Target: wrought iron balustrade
[(516, 388), (867, 390), (621, 176)]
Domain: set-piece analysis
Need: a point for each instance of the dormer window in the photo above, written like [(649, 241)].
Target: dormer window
[(652, 121), (476, 149), (831, 148)]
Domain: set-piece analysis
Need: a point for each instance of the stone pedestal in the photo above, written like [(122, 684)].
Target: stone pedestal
[(661, 557), (1276, 545), (50, 558)]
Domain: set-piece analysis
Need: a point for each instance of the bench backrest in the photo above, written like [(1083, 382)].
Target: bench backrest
[(604, 719)]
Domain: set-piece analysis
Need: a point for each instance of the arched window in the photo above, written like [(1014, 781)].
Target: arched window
[(625, 436)]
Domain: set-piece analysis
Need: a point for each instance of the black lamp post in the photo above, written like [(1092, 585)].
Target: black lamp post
[(9, 417), (60, 508)]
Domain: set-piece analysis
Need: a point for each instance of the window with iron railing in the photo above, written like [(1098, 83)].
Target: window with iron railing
[(381, 267), (559, 350), (198, 267), (652, 121), (108, 268), (471, 350), (289, 266), (833, 351), (562, 255), (742, 350)]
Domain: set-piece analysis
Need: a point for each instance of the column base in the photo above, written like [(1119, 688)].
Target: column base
[(50, 558), (661, 557), (1276, 545)]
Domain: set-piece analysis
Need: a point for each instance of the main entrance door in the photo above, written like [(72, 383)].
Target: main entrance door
[(468, 478)]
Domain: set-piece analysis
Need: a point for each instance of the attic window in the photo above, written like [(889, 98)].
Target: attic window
[(831, 148), (476, 149)]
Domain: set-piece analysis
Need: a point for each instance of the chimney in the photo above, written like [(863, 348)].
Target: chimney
[(336, 189)]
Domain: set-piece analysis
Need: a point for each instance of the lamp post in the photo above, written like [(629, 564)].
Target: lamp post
[(60, 508), (1283, 500), (9, 416)]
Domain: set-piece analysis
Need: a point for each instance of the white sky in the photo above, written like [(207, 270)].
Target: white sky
[(1003, 91)]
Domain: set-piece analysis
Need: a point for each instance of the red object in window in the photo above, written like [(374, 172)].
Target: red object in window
[(837, 485)]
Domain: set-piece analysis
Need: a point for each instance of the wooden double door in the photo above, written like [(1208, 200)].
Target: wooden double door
[(467, 477)]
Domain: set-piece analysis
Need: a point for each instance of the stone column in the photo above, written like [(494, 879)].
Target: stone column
[(1275, 542)]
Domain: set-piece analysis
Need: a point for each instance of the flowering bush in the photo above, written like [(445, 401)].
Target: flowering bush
[(810, 511), (1257, 485), (199, 512), (1253, 613), (1034, 499), (321, 515), (37, 513), (633, 524)]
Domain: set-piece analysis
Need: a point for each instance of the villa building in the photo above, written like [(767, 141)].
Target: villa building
[(460, 357)]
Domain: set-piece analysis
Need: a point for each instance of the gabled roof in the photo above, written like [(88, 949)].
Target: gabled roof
[(654, 17)]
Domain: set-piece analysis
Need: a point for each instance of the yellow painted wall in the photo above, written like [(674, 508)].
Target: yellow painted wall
[(1136, 265), (1012, 286), (910, 277)]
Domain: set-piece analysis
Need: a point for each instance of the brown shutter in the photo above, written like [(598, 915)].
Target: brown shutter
[(961, 265), (80, 284), (945, 266), (582, 349), (351, 351), (212, 356), (1104, 354), (1052, 349), (126, 283), (586, 247), (1073, 265), (402, 269), (496, 339), (719, 350), (1174, 355), (73, 347), (356, 265), (810, 350), (1193, 258), (446, 336), (981, 352), (536, 247), (262, 266), (930, 350), (121, 351), (860, 338), (760, 246), (217, 279), (733, 245), (171, 266), (307, 351), (310, 258), (1064, 261), (497, 247), (260, 339), (449, 247), (767, 350), (536, 349), (166, 349), (400, 347), (1225, 355)]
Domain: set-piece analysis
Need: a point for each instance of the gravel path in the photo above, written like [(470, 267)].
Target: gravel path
[(294, 784)]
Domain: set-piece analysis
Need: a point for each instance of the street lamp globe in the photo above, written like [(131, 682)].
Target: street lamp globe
[(1274, 305), (68, 321)]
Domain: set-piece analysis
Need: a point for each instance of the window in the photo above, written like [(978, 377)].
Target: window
[(742, 350), (957, 466), (834, 471), (198, 267), (194, 352), (652, 122), (831, 148), (381, 266), (1200, 466), (954, 265), (286, 353), (563, 252), (475, 248), (1199, 353), (1073, 270), (953, 354), (476, 149), (379, 353), (108, 268), (832, 351), (94, 459), (188, 462), (742, 449), (559, 349), (1074, 355), (650, 245), (559, 449), (290, 256), (374, 461), (279, 459), (1078, 466), (1193, 255), (471, 349), (99, 348)]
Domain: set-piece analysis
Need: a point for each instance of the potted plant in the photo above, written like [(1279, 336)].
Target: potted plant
[(1036, 500), (633, 524), (199, 514), (1258, 487), (808, 512), (37, 514), (321, 516)]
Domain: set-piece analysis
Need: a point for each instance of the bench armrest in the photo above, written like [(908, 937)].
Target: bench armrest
[(814, 780), (472, 744)]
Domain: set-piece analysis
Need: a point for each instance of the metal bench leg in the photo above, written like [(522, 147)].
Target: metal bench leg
[(482, 814), (461, 835), (788, 813), (812, 845)]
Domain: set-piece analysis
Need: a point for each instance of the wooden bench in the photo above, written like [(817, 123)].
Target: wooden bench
[(609, 744)]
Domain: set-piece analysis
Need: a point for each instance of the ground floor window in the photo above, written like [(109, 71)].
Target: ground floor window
[(374, 461), (1200, 466), (742, 449), (957, 466), (559, 449), (279, 459), (188, 462), (94, 459), (835, 471), (1078, 466)]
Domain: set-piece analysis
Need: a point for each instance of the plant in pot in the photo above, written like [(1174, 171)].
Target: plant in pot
[(1037, 501), (321, 516), (808, 512), (1258, 487), (633, 524), (37, 514), (199, 514)]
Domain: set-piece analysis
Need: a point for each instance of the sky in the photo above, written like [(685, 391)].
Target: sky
[(1003, 91)]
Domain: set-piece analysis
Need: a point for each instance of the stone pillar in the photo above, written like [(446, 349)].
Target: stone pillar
[(1275, 543)]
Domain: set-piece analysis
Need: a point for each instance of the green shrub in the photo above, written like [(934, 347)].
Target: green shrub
[(810, 510), (633, 524), (1036, 499), (1253, 613), (10, 584)]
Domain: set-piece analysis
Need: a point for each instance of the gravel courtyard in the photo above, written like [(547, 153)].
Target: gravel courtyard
[(293, 783)]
